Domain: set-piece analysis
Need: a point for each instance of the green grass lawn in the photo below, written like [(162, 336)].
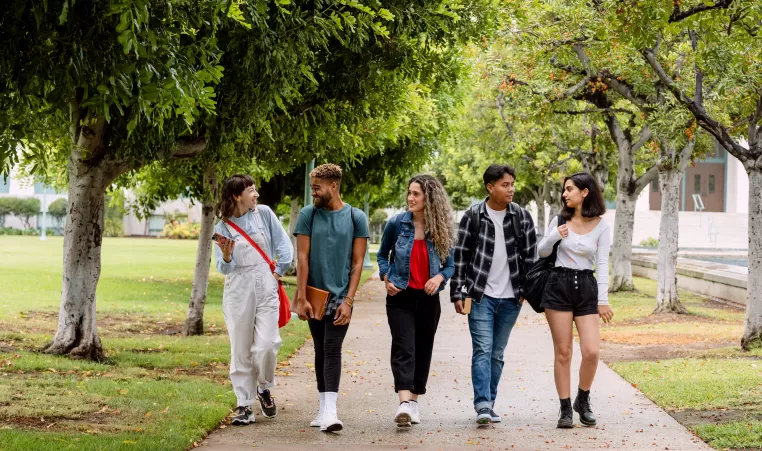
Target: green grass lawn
[(162, 392), (716, 392)]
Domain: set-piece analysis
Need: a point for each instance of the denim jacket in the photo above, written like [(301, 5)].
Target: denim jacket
[(397, 266)]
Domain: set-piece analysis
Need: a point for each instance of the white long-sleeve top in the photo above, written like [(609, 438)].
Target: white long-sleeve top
[(582, 252)]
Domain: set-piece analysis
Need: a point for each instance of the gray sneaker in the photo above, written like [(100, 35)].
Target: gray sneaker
[(243, 415), (495, 417), (483, 416)]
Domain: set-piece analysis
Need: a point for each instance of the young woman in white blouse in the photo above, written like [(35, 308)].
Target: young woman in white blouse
[(573, 295)]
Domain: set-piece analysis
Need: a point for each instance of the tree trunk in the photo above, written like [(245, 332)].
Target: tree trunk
[(90, 172), (667, 297), (194, 322), (752, 334), (295, 209), (621, 250), (542, 218)]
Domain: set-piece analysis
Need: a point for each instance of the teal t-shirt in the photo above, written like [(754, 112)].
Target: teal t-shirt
[(332, 234)]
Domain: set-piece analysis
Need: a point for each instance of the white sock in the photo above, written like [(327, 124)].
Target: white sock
[(322, 402), (330, 402)]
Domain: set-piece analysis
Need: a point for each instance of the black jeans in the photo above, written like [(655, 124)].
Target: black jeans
[(328, 340), (413, 319)]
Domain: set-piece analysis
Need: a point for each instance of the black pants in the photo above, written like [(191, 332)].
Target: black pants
[(413, 319), (328, 340)]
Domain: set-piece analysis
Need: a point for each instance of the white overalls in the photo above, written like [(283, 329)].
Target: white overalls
[(250, 307)]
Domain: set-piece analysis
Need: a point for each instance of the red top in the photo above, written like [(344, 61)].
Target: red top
[(419, 265)]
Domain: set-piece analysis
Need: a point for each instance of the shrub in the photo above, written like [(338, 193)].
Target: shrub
[(181, 230), (113, 227), (650, 242), (10, 231)]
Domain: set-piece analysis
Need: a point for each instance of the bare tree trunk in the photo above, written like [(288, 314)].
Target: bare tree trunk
[(621, 250), (194, 322), (90, 172), (295, 208), (752, 334), (542, 218), (667, 297)]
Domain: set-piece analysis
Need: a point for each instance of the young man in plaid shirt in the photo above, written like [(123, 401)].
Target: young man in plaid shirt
[(496, 247)]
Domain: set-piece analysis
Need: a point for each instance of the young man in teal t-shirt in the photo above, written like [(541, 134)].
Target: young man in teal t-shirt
[(331, 239)]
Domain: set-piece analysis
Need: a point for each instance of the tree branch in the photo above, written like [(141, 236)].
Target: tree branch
[(699, 73), (706, 122), (566, 68), (623, 89), (678, 14), (644, 180), (643, 137), (500, 104), (189, 148), (595, 110)]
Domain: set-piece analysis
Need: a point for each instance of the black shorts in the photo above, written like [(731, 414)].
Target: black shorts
[(571, 290)]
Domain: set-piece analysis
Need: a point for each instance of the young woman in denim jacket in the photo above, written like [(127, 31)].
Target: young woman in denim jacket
[(415, 261)]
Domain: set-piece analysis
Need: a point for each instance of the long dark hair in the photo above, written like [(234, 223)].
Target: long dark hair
[(593, 205), (232, 187)]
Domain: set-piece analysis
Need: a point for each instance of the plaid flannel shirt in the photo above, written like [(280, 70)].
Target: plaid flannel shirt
[(473, 255)]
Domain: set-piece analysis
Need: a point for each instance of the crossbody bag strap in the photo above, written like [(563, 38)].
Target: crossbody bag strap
[(253, 244), (561, 221)]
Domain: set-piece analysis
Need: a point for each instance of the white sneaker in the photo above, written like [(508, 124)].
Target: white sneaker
[(415, 413), (402, 418), (331, 423), (318, 421)]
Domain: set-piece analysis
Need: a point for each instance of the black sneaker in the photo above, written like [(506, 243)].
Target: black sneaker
[(584, 409), (243, 415), (483, 416), (267, 404), (566, 415), (495, 417)]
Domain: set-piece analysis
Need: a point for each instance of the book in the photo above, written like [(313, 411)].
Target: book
[(318, 299), (467, 306)]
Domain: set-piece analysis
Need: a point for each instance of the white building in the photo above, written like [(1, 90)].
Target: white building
[(153, 225)]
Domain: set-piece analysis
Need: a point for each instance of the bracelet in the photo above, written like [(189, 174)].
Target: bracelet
[(351, 299)]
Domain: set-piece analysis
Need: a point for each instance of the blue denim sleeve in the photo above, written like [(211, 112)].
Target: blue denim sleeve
[(222, 266), (281, 243), (448, 267), (387, 241)]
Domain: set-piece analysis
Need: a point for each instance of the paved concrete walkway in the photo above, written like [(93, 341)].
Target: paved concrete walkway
[(527, 398)]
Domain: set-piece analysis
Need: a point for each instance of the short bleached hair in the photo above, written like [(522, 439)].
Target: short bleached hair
[(327, 171)]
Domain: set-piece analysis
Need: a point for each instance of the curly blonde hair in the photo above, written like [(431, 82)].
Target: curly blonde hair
[(327, 171), (437, 213)]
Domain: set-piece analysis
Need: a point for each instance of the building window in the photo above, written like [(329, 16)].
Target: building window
[(711, 184), (5, 184), (155, 225), (697, 183), (655, 186)]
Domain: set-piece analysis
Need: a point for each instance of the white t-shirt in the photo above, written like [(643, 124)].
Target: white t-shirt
[(499, 279), (582, 252)]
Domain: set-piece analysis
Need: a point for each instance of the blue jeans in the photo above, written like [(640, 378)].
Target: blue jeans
[(490, 323)]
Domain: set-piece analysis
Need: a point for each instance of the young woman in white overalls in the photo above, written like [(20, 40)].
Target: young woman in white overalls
[(250, 299)]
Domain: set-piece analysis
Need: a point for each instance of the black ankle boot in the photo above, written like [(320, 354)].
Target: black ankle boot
[(582, 407), (566, 415)]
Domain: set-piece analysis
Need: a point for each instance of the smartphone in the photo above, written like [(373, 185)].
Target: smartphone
[(220, 238)]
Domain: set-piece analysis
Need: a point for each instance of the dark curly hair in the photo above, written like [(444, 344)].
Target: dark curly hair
[(232, 187)]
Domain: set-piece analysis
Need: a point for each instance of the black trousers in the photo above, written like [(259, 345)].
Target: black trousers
[(328, 340), (413, 319)]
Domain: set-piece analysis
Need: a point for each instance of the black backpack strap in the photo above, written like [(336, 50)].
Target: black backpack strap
[(559, 222), (517, 228), (473, 224), (518, 237)]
